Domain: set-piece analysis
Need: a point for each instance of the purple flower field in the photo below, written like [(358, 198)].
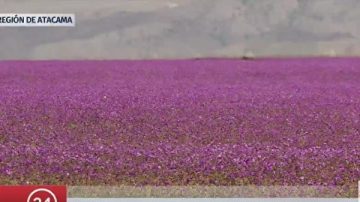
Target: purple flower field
[(181, 122)]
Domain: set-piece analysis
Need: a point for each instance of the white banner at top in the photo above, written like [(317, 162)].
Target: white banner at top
[(37, 20)]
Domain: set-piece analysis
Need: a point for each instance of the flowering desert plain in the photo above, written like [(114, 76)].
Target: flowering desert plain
[(286, 122)]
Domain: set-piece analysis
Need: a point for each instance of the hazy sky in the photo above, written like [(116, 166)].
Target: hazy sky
[(117, 29)]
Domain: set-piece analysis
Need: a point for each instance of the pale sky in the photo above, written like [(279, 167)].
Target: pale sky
[(137, 29)]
